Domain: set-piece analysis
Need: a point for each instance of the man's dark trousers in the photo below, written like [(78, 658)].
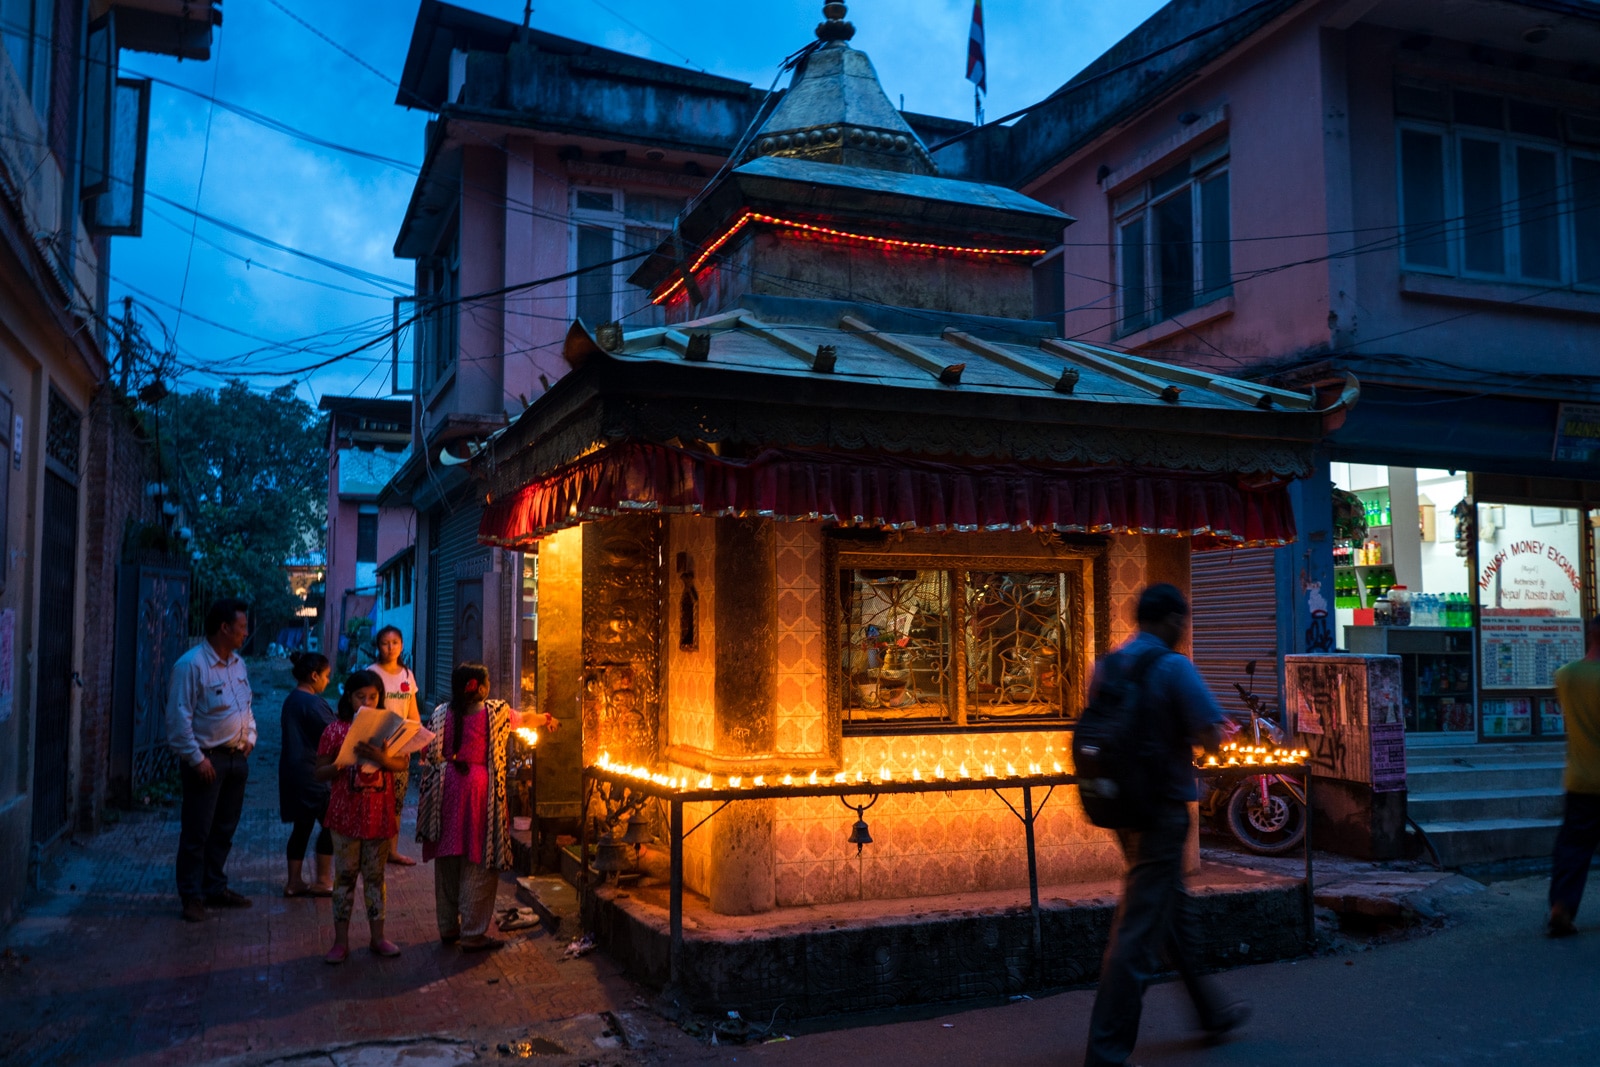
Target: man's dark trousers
[(1575, 844), (210, 815), (1153, 917)]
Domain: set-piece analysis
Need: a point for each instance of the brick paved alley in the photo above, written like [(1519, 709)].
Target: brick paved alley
[(101, 967)]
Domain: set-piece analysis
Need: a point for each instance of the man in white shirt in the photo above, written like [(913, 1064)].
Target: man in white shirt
[(211, 727)]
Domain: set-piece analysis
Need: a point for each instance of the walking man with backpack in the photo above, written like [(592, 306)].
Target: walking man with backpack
[(1148, 708)]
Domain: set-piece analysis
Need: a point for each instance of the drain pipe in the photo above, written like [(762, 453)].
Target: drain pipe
[(1438, 863)]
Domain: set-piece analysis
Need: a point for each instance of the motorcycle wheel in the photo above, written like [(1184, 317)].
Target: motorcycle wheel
[(1267, 829)]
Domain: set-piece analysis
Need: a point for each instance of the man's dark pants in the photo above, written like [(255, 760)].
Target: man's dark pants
[(210, 815), (1575, 845), (1153, 917)]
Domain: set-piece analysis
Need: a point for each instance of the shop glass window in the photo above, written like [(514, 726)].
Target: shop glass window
[(1497, 188), (1173, 240), (1530, 613), (959, 646)]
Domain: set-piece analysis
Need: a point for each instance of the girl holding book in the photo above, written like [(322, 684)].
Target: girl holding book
[(400, 697), (462, 818), (360, 816)]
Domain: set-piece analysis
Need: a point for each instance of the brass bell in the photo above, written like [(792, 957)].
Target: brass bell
[(638, 831), (610, 855), (860, 835)]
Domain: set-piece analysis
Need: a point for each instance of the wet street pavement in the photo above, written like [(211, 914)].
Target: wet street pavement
[(102, 967)]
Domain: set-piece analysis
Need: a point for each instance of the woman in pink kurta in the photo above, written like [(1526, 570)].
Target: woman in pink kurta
[(462, 820)]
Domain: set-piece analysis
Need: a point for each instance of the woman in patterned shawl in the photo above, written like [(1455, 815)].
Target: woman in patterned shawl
[(462, 820)]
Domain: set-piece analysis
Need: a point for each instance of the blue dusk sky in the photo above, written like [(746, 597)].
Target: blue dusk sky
[(253, 310)]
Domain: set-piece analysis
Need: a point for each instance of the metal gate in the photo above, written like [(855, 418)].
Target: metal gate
[(58, 554), (454, 554), (152, 632), (1234, 613)]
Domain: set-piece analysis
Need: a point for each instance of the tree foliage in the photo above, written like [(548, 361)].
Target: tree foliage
[(252, 471)]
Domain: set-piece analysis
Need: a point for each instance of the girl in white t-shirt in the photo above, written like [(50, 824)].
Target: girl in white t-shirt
[(400, 695)]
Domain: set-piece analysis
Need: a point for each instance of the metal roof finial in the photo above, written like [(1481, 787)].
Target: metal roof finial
[(836, 28)]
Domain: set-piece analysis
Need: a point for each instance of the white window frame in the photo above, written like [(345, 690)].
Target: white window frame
[(629, 304), (1452, 135), (1137, 202)]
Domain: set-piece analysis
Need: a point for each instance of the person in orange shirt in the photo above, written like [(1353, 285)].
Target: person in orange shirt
[(1578, 689)]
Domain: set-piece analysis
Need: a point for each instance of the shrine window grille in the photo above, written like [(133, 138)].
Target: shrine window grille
[(922, 641)]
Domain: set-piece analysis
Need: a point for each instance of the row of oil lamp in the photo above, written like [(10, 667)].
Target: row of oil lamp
[(1230, 755), (986, 771), (1234, 754)]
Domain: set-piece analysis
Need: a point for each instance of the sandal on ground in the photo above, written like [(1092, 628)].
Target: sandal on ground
[(385, 948), (337, 954), (400, 860), (296, 891), (481, 944), (315, 890)]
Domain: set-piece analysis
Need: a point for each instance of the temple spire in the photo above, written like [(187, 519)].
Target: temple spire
[(835, 28), (837, 112)]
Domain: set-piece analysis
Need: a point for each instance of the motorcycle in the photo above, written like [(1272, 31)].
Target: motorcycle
[(1266, 813)]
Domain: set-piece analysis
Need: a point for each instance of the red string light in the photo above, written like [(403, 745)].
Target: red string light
[(827, 231)]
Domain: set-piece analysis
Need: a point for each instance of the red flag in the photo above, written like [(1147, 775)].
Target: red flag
[(977, 73)]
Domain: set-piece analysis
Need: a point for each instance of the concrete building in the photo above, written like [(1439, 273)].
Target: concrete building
[(71, 167), (366, 543), (1408, 192)]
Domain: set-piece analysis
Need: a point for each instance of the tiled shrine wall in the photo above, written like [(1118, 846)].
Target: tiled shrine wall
[(923, 844)]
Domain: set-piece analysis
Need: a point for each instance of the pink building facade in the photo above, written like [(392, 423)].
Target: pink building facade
[(367, 579)]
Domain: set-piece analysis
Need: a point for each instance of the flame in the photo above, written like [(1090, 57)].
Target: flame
[(963, 772), (1034, 768), (734, 783), (839, 778), (760, 781), (705, 783), (1058, 768), (528, 736), (884, 775), (813, 778), (1011, 772), (788, 779), (916, 774), (938, 771), (988, 771)]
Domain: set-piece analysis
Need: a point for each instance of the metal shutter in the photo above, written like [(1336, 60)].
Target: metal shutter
[(1234, 605), (454, 543)]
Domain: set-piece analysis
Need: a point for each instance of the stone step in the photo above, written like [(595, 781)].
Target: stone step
[(1457, 779), (1474, 804), (1465, 841), (1429, 755)]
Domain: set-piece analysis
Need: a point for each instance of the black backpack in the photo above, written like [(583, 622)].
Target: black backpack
[(1118, 747)]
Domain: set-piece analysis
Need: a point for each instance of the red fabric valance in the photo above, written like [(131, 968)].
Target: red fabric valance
[(891, 493)]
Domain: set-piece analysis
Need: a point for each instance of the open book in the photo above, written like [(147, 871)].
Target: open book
[(394, 734)]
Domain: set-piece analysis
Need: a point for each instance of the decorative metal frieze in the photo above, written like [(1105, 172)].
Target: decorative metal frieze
[(621, 637)]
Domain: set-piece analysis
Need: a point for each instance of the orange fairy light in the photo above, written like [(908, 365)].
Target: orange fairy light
[(888, 243)]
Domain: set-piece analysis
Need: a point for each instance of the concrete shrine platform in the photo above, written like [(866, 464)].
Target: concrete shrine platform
[(876, 954)]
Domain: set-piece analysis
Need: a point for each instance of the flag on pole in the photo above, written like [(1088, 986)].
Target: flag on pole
[(976, 72)]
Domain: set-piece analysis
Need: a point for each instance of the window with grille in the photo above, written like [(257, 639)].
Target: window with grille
[(1173, 240), (63, 435), (959, 642), (1497, 188)]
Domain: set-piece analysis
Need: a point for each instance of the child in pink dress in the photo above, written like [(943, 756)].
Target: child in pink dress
[(462, 819)]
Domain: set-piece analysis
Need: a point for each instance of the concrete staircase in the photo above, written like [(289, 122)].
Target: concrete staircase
[(1482, 803)]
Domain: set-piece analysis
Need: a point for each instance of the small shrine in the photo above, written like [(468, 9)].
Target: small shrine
[(827, 560)]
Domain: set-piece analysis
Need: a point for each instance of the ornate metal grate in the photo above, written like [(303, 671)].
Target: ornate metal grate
[(63, 437)]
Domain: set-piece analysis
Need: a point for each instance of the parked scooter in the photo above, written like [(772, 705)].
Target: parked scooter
[(1265, 812)]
